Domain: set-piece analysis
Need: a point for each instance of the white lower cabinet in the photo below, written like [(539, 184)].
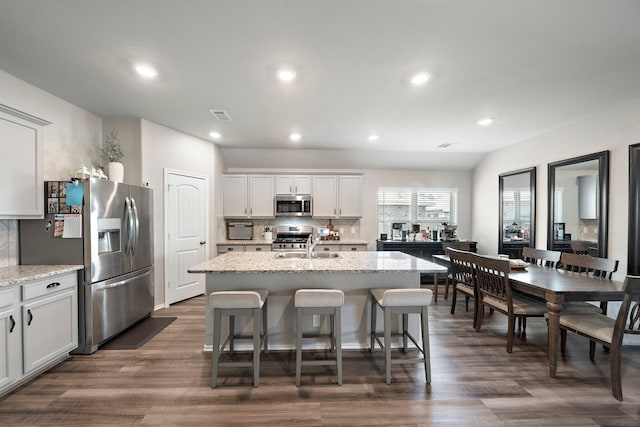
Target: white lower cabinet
[(10, 347), (39, 328)]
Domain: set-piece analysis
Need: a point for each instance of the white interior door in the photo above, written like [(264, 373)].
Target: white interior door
[(186, 202)]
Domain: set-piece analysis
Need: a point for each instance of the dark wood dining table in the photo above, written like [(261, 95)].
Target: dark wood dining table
[(557, 286)]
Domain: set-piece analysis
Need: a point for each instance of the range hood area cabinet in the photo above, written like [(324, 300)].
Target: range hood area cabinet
[(247, 196), (22, 192), (293, 184), (588, 197), (337, 196)]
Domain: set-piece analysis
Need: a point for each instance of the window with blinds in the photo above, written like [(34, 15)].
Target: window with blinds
[(427, 207), (516, 206)]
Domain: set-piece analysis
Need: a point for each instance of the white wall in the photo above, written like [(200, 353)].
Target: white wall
[(166, 148), (73, 139), (128, 130), (612, 129)]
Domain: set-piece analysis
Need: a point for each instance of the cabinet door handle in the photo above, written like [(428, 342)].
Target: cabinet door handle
[(258, 249), (203, 242), (13, 323), (53, 285), (30, 317)]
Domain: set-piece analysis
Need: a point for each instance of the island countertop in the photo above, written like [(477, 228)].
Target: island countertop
[(346, 262)]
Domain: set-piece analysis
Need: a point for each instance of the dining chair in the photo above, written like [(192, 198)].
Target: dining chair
[(494, 291), (592, 266), (461, 246), (541, 257), (463, 280), (580, 248), (609, 332)]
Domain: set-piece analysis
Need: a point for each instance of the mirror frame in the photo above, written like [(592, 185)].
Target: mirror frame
[(633, 251), (603, 202), (532, 188)]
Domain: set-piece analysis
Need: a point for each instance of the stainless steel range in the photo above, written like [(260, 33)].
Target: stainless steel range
[(291, 238)]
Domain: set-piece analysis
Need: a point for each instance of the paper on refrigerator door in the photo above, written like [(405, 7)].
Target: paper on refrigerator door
[(72, 226)]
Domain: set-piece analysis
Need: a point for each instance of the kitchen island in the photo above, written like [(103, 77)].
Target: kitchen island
[(352, 272)]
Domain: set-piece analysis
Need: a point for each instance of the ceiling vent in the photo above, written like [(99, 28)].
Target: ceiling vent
[(220, 115)]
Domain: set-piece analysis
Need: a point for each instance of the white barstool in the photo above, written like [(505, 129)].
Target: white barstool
[(401, 301), (238, 303), (319, 301)]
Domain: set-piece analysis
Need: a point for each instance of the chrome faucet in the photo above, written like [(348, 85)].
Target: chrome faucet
[(311, 245)]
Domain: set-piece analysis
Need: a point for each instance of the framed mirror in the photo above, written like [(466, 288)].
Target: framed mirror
[(579, 204), (517, 192)]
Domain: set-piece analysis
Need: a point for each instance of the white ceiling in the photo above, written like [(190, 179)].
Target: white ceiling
[(534, 65)]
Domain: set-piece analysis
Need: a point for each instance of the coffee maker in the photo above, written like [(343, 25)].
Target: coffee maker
[(398, 231)]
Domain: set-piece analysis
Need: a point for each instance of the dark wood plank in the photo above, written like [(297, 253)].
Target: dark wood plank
[(475, 382)]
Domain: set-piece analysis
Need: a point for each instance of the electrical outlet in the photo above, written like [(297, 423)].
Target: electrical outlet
[(353, 230), (585, 230), (315, 320)]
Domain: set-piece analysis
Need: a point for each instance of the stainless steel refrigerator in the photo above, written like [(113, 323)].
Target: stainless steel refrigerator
[(116, 248)]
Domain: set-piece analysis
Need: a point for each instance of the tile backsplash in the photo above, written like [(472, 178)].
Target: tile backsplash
[(8, 242), (349, 228)]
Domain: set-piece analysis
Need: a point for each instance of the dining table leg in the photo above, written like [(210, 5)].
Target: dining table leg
[(553, 325)]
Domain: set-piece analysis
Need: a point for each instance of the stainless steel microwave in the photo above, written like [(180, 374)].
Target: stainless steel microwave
[(289, 205)]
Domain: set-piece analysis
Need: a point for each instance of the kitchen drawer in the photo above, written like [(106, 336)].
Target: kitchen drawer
[(229, 248), (257, 248), (9, 297), (48, 285), (354, 248), (327, 248)]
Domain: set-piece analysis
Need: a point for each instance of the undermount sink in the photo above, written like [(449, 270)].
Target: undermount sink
[(303, 255)]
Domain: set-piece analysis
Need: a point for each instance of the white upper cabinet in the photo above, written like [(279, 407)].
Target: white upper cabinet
[(337, 196), (350, 196), (22, 192), (293, 184), (247, 196)]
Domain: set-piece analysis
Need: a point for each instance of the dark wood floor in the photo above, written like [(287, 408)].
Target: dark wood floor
[(475, 382)]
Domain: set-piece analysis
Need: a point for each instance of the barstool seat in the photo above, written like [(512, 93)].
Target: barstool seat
[(236, 303), (401, 301), (319, 301)]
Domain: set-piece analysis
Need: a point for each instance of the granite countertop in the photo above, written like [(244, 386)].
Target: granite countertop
[(17, 274), (347, 262), (268, 242)]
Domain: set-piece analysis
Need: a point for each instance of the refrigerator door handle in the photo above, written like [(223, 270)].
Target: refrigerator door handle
[(136, 226), (128, 218)]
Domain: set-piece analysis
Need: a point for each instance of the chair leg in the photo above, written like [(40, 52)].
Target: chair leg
[(592, 350), (466, 303), (387, 344), (454, 299), (215, 357), (446, 288), (616, 379), (374, 308), (257, 320), (332, 333), (424, 320), (298, 345), (338, 336), (563, 341), (510, 332), (479, 316)]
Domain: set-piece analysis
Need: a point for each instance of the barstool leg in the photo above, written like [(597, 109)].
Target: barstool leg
[(332, 332), (374, 308), (216, 347), (405, 336), (232, 334), (298, 345), (265, 327), (424, 317), (257, 320), (387, 343), (338, 336)]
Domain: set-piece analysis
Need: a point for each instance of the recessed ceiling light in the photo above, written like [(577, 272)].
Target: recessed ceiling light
[(146, 71), (373, 137), (295, 137), (286, 74), (485, 121), (420, 78), (215, 135)]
